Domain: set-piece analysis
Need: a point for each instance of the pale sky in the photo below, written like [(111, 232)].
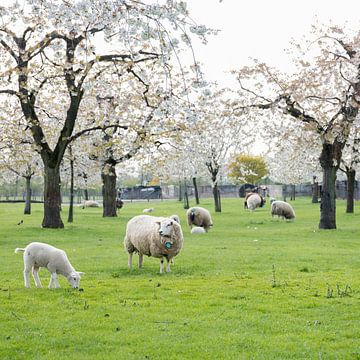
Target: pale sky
[(261, 29)]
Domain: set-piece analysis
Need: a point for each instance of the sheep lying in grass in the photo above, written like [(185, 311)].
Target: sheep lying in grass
[(37, 255), (253, 201), (90, 203), (148, 210), (198, 230), (282, 209), (199, 216), (153, 236)]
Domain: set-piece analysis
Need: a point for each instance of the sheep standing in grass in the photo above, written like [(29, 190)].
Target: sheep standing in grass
[(199, 216), (253, 201), (37, 255), (282, 209), (153, 236)]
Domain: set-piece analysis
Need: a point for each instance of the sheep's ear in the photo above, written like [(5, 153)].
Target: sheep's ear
[(80, 273), (158, 222)]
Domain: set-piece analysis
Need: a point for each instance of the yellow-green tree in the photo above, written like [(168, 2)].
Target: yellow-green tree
[(247, 168)]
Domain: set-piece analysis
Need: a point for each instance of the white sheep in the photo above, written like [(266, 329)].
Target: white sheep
[(282, 209), (90, 203), (153, 236), (148, 210), (199, 216), (37, 255), (254, 201), (198, 230)]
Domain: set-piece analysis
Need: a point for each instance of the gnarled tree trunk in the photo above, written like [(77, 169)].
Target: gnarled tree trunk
[(52, 196), (350, 174), (216, 195), (108, 177), (329, 161), (196, 191), (71, 205), (27, 209)]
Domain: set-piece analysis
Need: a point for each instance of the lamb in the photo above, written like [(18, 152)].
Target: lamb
[(90, 203), (153, 236), (198, 230), (254, 200), (148, 210), (200, 217), (37, 255), (282, 209)]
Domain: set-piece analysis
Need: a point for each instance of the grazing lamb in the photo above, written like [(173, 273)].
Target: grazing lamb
[(148, 210), (37, 255), (153, 236), (282, 209), (198, 230), (90, 203), (254, 200), (199, 216)]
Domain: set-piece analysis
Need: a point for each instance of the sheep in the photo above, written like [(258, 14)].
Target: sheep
[(282, 209), (90, 203), (37, 255), (153, 236), (200, 217), (253, 201), (148, 210), (198, 230)]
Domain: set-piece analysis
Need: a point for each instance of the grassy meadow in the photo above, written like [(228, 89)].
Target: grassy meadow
[(252, 288)]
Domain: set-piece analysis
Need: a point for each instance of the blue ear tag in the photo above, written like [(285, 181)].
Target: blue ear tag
[(168, 245)]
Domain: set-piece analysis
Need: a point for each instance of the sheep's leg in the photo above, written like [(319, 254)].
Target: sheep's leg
[(51, 283), (35, 273), (141, 259), (161, 265), (167, 265), (27, 277), (130, 260), (55, 279)]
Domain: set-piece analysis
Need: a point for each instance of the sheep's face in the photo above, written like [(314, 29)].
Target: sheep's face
[(74, 279), (166, 227)]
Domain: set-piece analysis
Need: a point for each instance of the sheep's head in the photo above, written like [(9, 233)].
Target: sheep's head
[(165, 227), (74, 279)]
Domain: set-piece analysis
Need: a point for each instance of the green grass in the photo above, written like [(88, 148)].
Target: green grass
[(252, 288)]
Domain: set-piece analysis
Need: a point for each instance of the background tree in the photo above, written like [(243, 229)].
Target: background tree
[(52, 53), (323, 96), (350, 164), (247, 168)]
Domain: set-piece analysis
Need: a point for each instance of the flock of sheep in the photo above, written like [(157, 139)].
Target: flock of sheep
[(159, 237)]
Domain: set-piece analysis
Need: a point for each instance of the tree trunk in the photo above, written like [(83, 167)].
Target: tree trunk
[(350, 174), (216, 194), (315, 191), (186, 197), (180, 191), (52, 218), (328, 160), (86, 194), (109, 191), (292, 197), (71, 205), (196, 191), (27, 209)]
